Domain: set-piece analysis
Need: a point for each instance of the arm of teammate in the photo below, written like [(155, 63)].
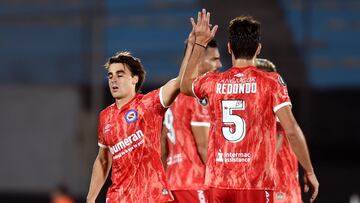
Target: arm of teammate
[(298, 144), (201, 134), (203, 36), (100, 172), (164, 146), (172, 88)]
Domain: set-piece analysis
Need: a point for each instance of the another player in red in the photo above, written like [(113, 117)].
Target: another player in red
[(186, 125), (129, 135), (243, 105), (287, 180), (287, 188)]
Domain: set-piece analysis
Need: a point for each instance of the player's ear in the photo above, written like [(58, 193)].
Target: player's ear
[(229, 48), (135, 79), (258, 50)]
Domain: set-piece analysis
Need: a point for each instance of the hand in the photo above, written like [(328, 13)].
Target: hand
[(201, 28), (310, 180)]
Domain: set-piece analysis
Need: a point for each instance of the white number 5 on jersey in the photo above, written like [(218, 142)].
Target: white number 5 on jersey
[(228, 117)]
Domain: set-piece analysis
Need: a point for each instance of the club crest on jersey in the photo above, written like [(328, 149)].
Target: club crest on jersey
[(165, 191), (131, 116), (281, 81), (203, 102)]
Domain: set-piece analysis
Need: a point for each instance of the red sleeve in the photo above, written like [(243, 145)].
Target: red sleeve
[(154, 101), (201, 84), (101, 130), (199, 114), (280, 96)]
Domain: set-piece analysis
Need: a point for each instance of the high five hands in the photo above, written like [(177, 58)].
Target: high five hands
[(202, 28)]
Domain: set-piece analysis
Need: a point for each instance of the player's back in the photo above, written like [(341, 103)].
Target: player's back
[(242, 136), (185, 170)]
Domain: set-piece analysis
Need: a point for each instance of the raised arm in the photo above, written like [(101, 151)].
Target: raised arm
[(99, 174), (203, 36), (298, 144), (172, 88)]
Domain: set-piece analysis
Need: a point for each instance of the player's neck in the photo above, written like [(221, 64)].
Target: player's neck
[(120, 102), (243, 63)]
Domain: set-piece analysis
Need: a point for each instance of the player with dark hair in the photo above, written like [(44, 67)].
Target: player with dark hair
[(129, 135), (287, 188), (243, 105), (186, 125)]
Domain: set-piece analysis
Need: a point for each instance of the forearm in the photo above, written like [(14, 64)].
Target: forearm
[(298, 144), (164, 147), (172, 88), (185, 61), (190, 72), (99, 174)]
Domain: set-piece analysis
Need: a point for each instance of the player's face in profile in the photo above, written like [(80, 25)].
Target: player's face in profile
[(211, 60), (120, 80)]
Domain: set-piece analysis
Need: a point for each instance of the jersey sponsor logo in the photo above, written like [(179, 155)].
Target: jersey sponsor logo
[(220, 157), (281, 81), (131, 116), (235, 88), (203, 102), (239, 75), (128, 144), (233, 157), (176, 158), (107, 128)]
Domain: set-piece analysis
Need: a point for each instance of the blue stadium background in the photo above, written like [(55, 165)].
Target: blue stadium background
[(52, 81)]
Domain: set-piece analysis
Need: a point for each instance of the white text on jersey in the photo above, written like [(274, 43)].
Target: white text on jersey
[(235, 88), (128, 141)]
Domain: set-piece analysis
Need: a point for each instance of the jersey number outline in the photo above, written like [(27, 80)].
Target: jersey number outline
[(228, 117), (168, 121)]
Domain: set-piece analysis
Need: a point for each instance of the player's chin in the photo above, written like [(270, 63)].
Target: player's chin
[(116, 95)]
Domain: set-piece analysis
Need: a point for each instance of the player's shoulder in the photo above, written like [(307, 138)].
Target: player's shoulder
[(210, 75), (184, 101), (271, 77), (107, 110)]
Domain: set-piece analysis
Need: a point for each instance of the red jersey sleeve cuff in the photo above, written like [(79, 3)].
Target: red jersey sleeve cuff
[(276, 108), (193, 90)]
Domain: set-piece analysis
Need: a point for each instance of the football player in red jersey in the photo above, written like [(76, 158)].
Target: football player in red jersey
[(287, 189), (243, 104), (129, 134), (186, 125)]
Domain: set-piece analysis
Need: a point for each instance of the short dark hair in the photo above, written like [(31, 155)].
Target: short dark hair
[(134, 64), (212, 44), (244, 36)]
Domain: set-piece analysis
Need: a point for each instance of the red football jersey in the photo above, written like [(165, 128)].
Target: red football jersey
[(132, 134), (287, 178), (242, 102), (185, 170)]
